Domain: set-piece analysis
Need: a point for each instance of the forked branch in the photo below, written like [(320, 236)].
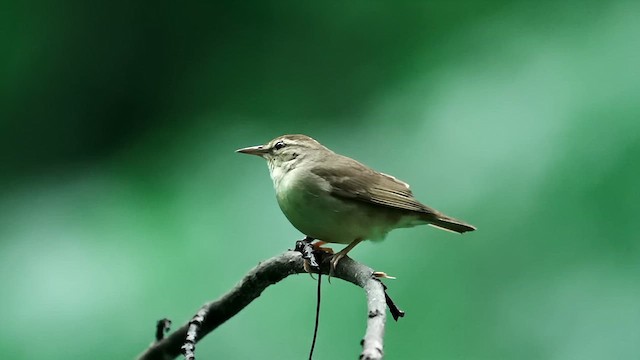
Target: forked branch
[(269, 272)]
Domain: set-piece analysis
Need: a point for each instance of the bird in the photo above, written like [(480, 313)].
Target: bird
[(335, 199)]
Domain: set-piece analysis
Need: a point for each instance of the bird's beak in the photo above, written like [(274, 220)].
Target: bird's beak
[(254, 150)]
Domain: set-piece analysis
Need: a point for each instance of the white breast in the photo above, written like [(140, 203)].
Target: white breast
[(306, 201)]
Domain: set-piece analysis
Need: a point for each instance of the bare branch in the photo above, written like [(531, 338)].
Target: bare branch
[(270, 272), (162, 327)]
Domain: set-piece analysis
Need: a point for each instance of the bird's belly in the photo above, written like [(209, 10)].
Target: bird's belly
[(317, 214)]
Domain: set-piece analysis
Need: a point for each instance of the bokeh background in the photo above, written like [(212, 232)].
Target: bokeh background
[(122, 200)]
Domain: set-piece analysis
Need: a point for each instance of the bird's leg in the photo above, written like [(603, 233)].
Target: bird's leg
[(336, 257), (318, 246)]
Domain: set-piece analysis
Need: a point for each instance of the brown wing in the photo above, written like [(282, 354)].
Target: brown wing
[(369, 186)]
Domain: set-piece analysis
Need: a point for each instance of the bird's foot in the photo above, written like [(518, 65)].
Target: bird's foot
[(337, 257), (334, 263), (318, 246), (306, 249), (307, 267)]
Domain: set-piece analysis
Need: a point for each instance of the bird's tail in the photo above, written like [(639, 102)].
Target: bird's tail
[(449, 224)]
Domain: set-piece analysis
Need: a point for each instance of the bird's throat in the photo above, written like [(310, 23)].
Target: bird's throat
[(279, 170)]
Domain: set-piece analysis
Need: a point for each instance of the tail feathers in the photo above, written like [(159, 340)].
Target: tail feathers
[(450, 224)]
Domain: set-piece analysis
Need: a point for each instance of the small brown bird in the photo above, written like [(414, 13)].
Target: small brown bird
[(336, 199)]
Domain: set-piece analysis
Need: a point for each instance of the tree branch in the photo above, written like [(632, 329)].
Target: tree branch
[(270, 272)]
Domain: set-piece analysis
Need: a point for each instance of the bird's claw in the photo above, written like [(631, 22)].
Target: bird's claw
[(333, 263)]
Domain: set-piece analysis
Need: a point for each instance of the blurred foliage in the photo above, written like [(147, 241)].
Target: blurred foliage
[(122, 201)]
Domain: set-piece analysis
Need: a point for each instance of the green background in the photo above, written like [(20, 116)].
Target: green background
[(122, 200)]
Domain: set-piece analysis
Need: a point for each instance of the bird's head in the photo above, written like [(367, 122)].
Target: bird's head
[(286, 152)]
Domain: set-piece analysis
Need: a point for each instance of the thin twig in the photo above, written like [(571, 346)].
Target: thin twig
[(315, 327), (393, 308), (270, 272)]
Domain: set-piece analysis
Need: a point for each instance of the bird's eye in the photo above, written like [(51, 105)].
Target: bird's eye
[(279, 145)]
